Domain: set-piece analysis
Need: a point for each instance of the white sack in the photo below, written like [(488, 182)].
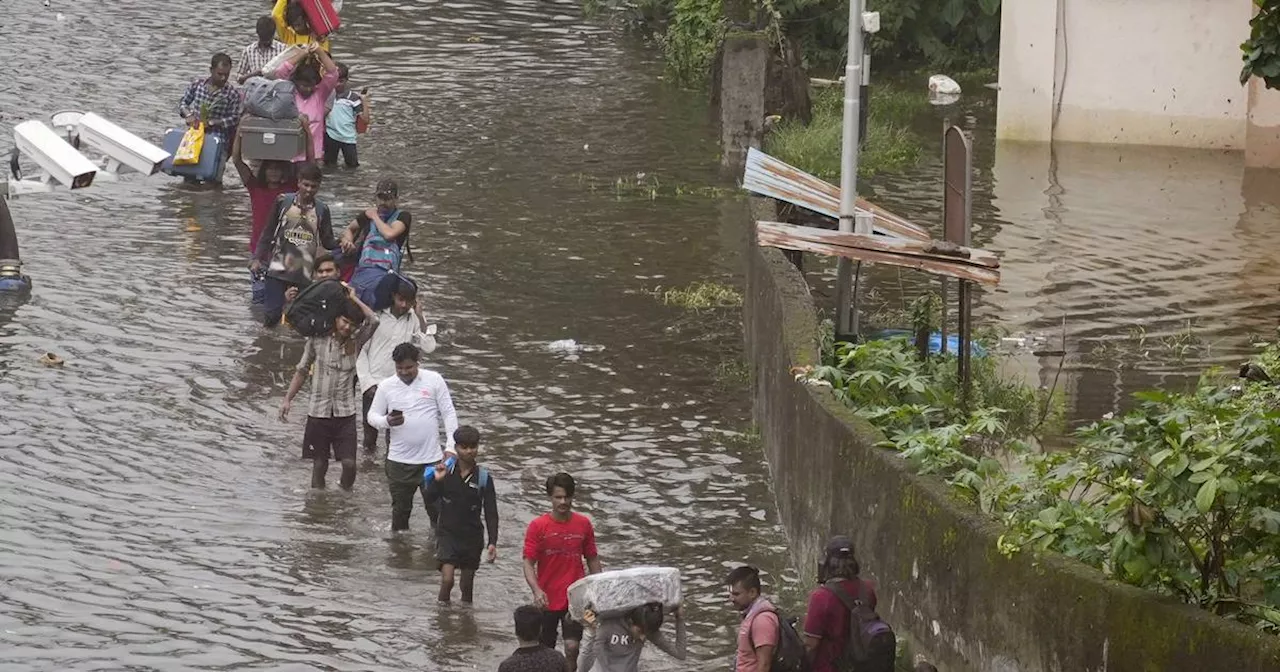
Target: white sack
[(615, 592)]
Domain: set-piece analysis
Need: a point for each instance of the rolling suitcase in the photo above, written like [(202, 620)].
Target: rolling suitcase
[(210, 156), (322, 17)]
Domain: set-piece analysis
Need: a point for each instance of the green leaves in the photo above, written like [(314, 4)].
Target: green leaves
[(1204, 498), (1261, 52)]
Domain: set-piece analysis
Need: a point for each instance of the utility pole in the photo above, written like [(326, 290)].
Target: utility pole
[(851, 221)]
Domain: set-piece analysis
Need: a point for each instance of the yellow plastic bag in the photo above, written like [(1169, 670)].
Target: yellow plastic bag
[(189, 149)]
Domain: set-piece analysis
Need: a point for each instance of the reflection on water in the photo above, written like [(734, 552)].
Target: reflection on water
[(155, 513), (1156, 259)]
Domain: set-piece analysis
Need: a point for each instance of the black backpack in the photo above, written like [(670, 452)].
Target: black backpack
[(871, 646), (318, 306), (789, 655)]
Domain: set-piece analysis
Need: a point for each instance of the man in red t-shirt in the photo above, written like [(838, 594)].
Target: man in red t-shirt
[(826, 623), (554, 547)]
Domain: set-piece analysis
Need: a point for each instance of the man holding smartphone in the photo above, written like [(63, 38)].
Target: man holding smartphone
[(412, 404)]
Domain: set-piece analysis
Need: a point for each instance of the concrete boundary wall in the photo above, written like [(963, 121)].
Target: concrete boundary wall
[(942, 583)]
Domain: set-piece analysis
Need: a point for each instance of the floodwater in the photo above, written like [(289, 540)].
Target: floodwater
[(1150, 264), (153, 511)]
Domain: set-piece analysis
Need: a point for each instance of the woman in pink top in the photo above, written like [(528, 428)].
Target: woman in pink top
[(311, 91)]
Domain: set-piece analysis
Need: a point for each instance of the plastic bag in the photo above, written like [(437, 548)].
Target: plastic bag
[(616, 592), (189, 150), (270, 98)]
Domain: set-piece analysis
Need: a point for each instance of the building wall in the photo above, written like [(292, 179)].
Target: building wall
[(1155, 72)]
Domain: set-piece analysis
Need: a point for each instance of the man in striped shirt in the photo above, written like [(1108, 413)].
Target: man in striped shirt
[(257, 55)]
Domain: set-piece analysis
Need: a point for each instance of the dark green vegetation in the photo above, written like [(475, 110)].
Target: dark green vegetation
[(1180, 495), (951, 34), (1262, 49)]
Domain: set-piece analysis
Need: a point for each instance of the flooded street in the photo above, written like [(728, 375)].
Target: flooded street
[(155, 514), (1156, 262)]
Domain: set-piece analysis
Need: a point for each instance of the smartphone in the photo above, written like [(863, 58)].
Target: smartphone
[(364, 91)]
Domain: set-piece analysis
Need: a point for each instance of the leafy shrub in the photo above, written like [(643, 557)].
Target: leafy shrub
[(1180, 496), (891, 146)]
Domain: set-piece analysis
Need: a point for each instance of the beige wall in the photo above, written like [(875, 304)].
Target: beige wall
[(1151, 72)]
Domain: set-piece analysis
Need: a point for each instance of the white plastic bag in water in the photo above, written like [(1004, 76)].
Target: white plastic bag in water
[(616, 592)]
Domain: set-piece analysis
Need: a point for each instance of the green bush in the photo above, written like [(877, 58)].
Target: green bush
[(891, 147), (1180, 496)]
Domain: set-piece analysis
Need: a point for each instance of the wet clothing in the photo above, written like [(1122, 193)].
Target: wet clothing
[(329, 438), (294, 236), (370, 432), (460, 533), (374, 363), (424, 403), (553, 620), (340, 125), (223, 111), (613, 647), (350, 154), (378, 255), (759, 628), (333, 392), (558, 549), (828, 620), (255, 57), (404, 481), (534, 659), (288, 35), (312, 106), (262, 201)]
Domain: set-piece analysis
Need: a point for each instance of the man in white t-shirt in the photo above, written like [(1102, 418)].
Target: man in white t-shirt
[(401, 323), (411, 404)]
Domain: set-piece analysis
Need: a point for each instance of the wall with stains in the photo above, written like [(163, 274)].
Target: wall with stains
[(1151, 72), (942, 583)]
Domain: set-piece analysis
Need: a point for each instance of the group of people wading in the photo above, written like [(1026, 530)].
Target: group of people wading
[(375, 345)]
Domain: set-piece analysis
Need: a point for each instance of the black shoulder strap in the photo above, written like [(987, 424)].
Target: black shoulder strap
[(844, 598)]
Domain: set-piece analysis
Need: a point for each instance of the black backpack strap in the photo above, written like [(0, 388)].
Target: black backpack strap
[(774, 611), (844, 598)]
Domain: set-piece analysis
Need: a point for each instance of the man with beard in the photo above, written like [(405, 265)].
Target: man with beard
[(401, 323)]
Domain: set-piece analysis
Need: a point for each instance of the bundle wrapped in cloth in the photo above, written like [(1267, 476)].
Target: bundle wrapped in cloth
[(614, 593)]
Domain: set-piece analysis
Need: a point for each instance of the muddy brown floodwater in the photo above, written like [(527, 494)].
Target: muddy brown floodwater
[(153, 512)]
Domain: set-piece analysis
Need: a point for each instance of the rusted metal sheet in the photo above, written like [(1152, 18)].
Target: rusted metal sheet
[(770, 177), (969, 264)]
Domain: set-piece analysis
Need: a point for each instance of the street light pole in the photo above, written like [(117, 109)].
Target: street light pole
[(846, 310)]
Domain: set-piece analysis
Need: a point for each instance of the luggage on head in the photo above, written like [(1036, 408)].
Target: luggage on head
[(270, 98), (269, 70), (265, 139), (318, 306), (613, 593), (321, 15)]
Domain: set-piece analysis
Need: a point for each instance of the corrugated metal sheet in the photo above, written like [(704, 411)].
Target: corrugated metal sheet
[(770, 177)]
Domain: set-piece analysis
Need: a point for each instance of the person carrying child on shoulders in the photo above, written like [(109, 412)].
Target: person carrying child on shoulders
[(464, 490)]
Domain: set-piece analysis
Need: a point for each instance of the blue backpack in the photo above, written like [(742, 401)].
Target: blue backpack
[(482, 475)]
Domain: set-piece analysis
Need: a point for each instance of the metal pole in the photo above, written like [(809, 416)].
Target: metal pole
[(845, 322)]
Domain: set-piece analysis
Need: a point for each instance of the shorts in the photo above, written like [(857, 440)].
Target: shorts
[(461, 551), (329, 438), (553, 619)]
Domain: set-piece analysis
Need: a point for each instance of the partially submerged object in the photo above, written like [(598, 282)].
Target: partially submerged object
[(11, 278)]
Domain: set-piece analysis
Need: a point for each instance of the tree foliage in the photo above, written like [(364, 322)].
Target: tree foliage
[(1262, 49)]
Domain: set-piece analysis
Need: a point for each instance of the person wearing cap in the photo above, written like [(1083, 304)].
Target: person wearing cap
[(402, 322), (826, 621), (378, 237)]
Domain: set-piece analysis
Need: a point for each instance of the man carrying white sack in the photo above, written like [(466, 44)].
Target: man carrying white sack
[(614, 644)]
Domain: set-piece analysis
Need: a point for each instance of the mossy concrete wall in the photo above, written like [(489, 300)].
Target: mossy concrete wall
[(942, 583)]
